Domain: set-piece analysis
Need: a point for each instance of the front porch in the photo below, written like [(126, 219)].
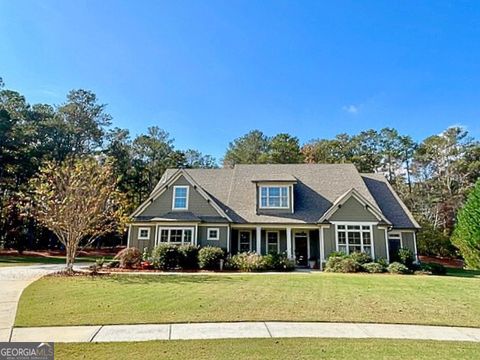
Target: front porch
[(298, 243)]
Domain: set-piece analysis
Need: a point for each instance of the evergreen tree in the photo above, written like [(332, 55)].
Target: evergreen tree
[(467, 231)]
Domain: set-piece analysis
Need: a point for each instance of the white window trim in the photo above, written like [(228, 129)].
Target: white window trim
[(396, 235), (356, 223), (278, 240), (213, 238), (140, 229), (249, 239), (187, 196), (268, 196), (169, 229)]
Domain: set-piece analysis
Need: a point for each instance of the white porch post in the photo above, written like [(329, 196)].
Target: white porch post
[(195, 239), (289, 242), (129, 235), (321, 255), (228, 238), (259, 240), (415, 246)]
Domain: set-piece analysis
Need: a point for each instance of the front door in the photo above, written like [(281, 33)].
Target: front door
[(393, 247), (301, 249)]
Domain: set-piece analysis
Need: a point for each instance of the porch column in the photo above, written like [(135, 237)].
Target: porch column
[(259, 240), (289, 242), (322, 255), (228, 238)]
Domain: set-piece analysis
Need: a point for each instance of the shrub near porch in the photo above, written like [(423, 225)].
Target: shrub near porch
[(124, 299)]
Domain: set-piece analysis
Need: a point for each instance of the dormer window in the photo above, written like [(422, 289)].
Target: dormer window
[(180, 198), (274, 197)]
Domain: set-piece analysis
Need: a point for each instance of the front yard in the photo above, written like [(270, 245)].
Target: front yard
[(122, 299), (24, 260), (272, 349)]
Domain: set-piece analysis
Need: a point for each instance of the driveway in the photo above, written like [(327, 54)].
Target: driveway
[(12, 282)]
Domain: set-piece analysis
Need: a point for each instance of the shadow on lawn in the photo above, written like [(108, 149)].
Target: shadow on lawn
[(463, 273), (19, 259), (169, 279)]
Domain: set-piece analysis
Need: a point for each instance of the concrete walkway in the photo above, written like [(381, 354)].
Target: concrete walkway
[(110, 333), (13, 280)]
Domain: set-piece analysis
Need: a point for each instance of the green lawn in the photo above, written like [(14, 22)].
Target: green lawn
[(22, 260), (271, 349), (118, 299)]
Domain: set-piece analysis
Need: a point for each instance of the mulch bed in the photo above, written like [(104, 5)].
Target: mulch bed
[(451, 263)]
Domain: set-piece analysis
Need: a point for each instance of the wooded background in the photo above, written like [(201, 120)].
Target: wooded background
[(432, 176)]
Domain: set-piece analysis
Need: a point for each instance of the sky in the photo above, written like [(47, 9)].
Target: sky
[(209, 71)]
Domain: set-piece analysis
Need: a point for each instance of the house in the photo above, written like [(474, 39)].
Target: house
[(303, 210)]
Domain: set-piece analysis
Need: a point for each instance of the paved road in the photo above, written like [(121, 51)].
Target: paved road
[(12, 282)]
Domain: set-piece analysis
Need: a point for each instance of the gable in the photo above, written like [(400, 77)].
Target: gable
[(353, 210), (162, 204)]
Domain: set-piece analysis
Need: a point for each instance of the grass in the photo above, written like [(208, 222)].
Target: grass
[(23, 260), (271, 349), (463, 273), (122, 299)]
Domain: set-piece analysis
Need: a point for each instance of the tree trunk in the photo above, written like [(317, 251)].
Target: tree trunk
[(70, 252)]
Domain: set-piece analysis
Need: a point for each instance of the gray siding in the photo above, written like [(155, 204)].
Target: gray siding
[(408, 241), (352, 210), (379, 243), (329, 240), (134, 241), (196, 202), (202, 237)]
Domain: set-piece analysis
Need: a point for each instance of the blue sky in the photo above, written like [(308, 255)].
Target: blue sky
[(209, 71)]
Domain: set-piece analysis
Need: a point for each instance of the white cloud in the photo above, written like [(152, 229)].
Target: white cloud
[(351, 109)]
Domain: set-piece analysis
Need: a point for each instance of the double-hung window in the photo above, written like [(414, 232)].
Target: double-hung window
[(272, 242), (176, 235), (354, 238), (180, 198), (274, 197)]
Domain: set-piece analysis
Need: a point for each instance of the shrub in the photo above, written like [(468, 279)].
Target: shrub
[(129, 257), (397, 268), (373, 267), (342, 264), (249, 261), (279, 262), (340, 254), (361, 258), (188, 257), (146, 254), (383, 262), (406, 257), (434, 269), (113, 264), (433, 242), (165, 257), (209, 257)]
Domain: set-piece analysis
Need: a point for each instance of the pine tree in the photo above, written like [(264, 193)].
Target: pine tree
[(467, 230)]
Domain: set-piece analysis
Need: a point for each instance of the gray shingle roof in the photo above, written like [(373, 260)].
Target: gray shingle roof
[(317, 188), (389, 202)]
